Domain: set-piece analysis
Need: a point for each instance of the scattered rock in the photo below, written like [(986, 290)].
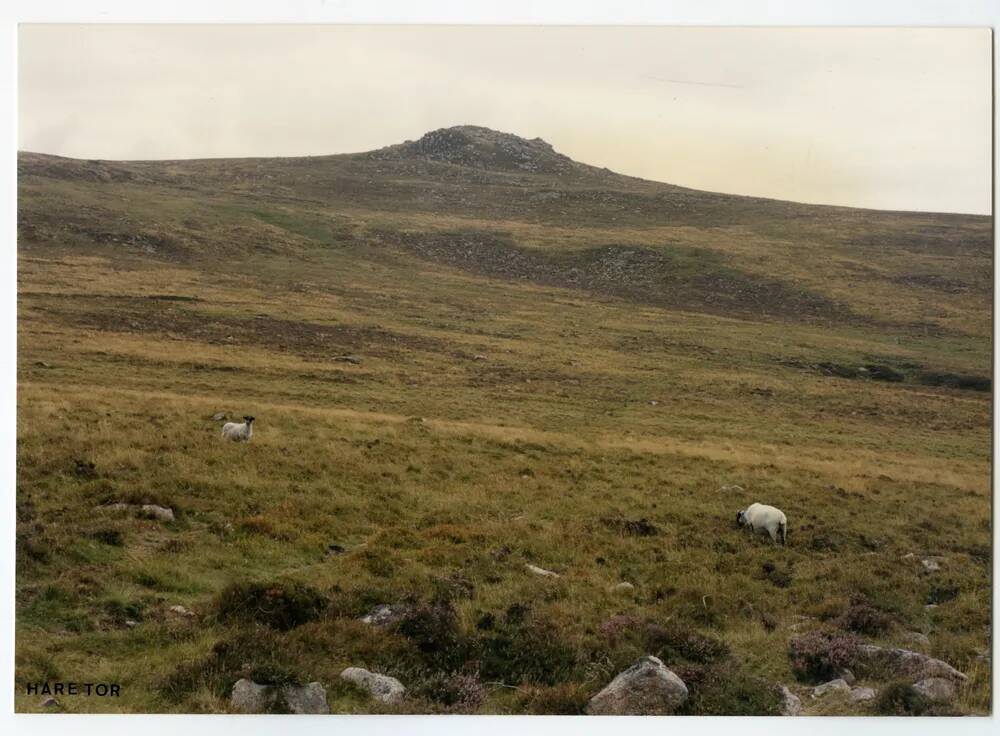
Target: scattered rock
[(862, 694), (936, 689), (915, 637), (335, 549), (218, 417), (306, 700), (732, 489), (906, 663), (160, 513), (130, 623), (790, 703), (49, 702), (43, 364), (384, 615), (624, 587), (252, 697), (249, 697), (382, 687), (847, 676), (930, 564), (834, 686), (353, 359), (654, 403), (645, 688), (479, 357), (908, 556), (180, 611), (541, 571)]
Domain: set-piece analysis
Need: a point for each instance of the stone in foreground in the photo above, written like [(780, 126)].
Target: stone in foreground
[(908, 664), (306, 700), (834, 686), (790, 703), (384, 614), (251, 697), (644, 689), (541, 571), (936, 689), (382, 687), (160, 513), (862, 694)]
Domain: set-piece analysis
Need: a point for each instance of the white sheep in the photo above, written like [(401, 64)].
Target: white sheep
[(238, 432), (761, 518)]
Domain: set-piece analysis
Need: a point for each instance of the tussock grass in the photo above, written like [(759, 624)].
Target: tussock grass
[(438, 476)]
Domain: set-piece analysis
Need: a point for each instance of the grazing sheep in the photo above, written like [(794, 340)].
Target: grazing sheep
[(761, 518), (238, 432)]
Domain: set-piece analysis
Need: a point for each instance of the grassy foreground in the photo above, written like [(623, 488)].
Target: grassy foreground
[(486, 423)]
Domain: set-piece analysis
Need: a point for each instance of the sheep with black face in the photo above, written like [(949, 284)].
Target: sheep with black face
[(238, 432), (764, 519)]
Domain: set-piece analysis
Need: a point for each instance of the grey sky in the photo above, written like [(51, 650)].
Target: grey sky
[(891, 118)]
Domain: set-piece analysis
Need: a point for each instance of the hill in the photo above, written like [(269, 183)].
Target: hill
[(466, 354)]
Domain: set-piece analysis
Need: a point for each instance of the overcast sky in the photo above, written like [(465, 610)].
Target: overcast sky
[(887, 118)]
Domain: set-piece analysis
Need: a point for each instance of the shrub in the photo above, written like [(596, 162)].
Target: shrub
[(280, 605), (901, 699), (433, 629), (528, 652), (724, 689), (456, 693), (110, 536), (776, 576), (258, 655), (942, 592), (673, 642), (862, 617), (820, 655)]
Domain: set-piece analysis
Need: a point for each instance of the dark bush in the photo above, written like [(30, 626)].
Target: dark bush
[(120, 611), (862, 617), (455, 693), (110, 536), (884, 373), (775, 575), (724, 689), (433, 628), (674, 642), (942, 592), (529, 652), (820, 655), (258, 655), (901, 699), (631, 527), (280, 605), (956, 380)]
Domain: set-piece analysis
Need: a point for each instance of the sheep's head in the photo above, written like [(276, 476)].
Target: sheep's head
[(741, 518), (248, 419)]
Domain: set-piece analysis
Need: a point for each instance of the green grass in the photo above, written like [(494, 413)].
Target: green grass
[(441, 475)]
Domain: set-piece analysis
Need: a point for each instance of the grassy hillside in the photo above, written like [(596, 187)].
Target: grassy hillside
[(465, 354)]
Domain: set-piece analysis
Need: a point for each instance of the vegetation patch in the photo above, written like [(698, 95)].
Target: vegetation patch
[(280, 605), (820, 655)]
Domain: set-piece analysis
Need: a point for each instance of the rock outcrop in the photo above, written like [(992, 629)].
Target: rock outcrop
[(645, 688)]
